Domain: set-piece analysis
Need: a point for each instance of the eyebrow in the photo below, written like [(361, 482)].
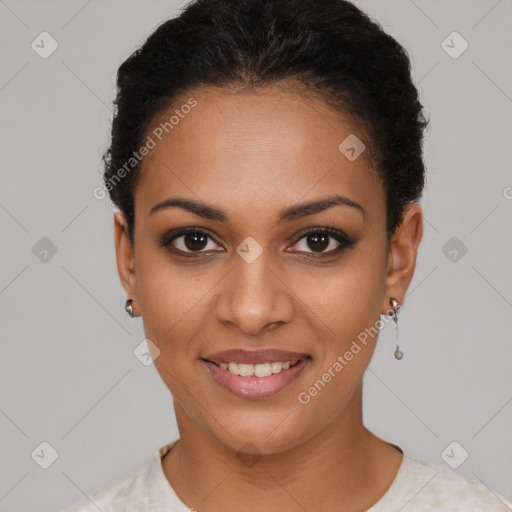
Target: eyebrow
[(286, 215)]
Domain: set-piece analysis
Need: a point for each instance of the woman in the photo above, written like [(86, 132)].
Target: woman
[(266, 160)]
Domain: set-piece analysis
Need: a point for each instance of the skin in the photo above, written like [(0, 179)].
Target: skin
[(252, 155)]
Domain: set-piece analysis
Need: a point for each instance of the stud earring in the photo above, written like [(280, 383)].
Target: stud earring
[(396, 307), (128, 307)]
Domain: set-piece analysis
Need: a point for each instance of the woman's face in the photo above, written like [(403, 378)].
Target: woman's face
[(258, 279)]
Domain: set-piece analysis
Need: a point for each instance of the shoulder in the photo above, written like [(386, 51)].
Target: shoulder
[(114, 496), (427, 486), (144, 488)]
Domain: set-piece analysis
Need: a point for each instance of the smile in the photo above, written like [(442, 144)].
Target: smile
[(258, 370), (256, 380)]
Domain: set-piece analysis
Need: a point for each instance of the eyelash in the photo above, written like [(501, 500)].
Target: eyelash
[(344, 240)]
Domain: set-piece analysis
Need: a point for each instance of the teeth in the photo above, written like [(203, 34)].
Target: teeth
[(277, 366), (258, 370), (262, 370), (245, 370)]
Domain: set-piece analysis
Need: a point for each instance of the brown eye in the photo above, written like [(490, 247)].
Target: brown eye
[(318, 241), (195, 241), (323, 241), (190, 241)]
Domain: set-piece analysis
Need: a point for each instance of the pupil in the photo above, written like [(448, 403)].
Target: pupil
[(316, 244), (196, 243)]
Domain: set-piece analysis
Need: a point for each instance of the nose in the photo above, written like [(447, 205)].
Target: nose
[(254, 298)]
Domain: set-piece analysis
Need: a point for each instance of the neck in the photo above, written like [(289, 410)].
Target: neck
[(340, 466)]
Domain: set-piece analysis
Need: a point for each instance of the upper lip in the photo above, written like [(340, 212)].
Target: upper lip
[(267, 355)]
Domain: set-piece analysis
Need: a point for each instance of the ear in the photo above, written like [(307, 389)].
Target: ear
[(402, 255), (125, 257)]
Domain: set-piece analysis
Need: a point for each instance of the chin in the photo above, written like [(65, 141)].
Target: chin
[(259, 438)]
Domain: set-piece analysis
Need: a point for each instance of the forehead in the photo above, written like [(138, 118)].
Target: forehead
[(271, 145)]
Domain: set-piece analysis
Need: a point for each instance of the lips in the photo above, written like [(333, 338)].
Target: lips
[(267, 355), (254, 386), (252, 378)]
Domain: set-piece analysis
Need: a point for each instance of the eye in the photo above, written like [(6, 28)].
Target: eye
[(320, 240), (190, 240)]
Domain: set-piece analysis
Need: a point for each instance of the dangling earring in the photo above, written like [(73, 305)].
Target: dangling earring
[(396, 307), (128, 307)]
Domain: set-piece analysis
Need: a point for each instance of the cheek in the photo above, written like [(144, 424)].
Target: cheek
[(349, 298), (173, 302)]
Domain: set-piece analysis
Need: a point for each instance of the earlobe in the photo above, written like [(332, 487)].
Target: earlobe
[(403, 253), (124, 255)]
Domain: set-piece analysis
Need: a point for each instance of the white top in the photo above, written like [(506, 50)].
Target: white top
[(424, 486)]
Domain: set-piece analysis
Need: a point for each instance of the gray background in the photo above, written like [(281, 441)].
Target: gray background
[(68, 375)]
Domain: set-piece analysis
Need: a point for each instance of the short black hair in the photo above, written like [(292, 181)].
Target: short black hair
[(330, 47)]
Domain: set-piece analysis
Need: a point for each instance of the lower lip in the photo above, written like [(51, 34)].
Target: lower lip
[(256, 387)]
